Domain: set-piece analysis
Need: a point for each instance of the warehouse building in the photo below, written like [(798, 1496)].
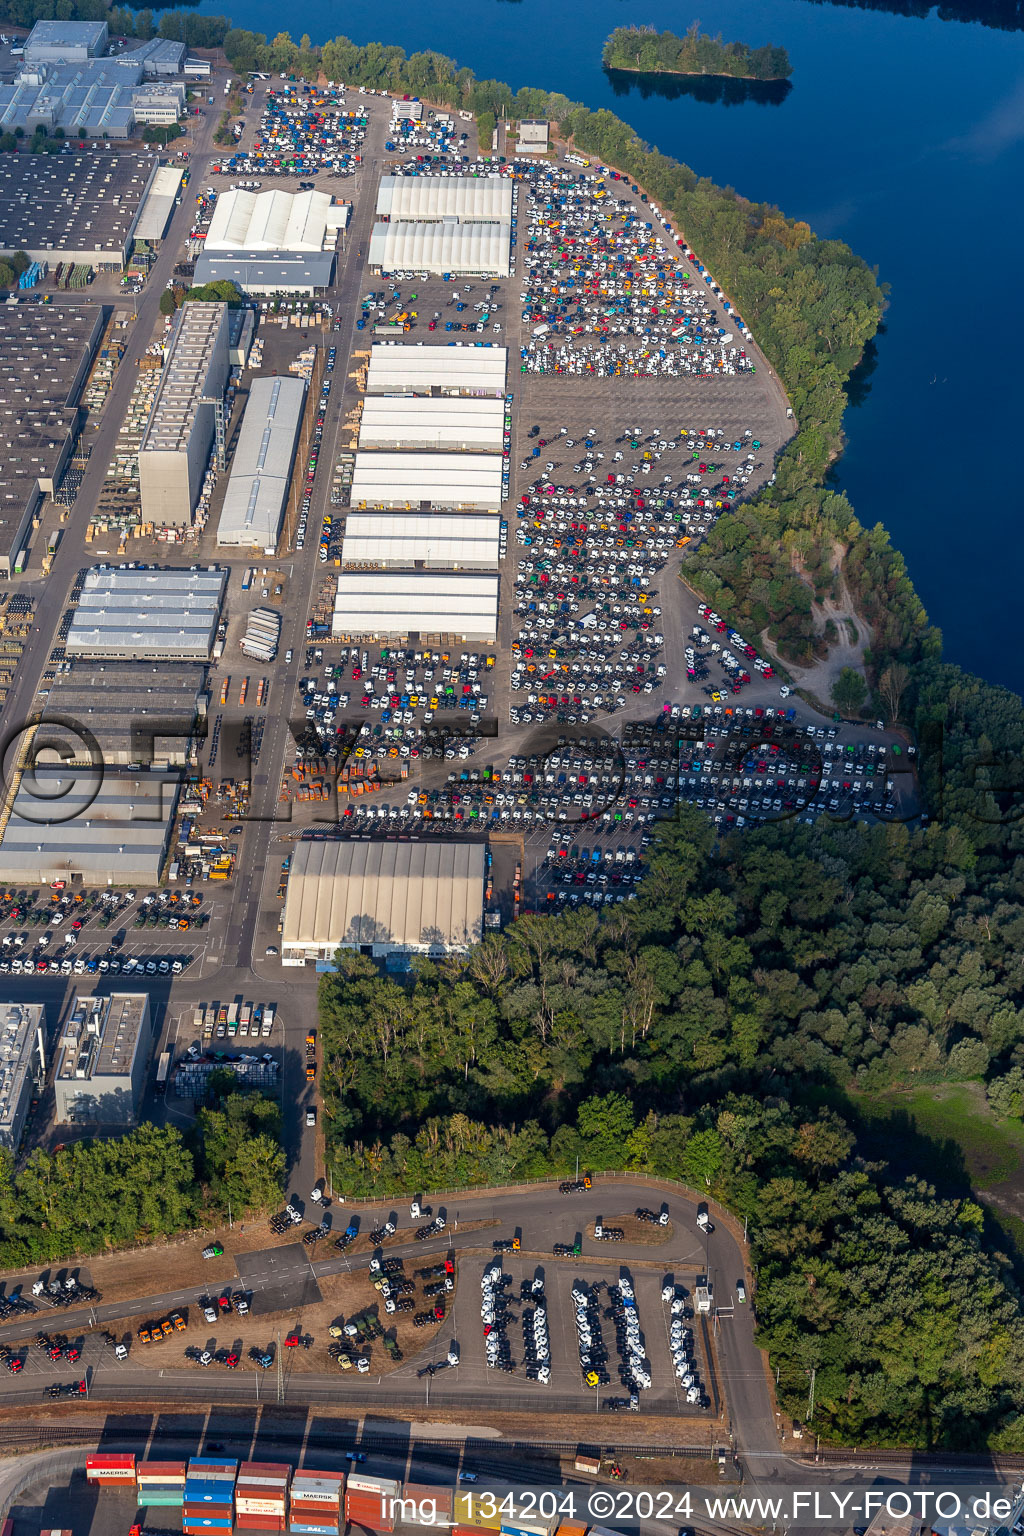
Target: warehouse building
[(106, 96), (469, 481), (158, 208), (432, 541), (102, 1060), (437, 371), (124, 714), (533, 136), (161, 58), (45, 356), (66, 42), (384, 604), (81, 207), (179, 434), (465, 249), (22, 1066), (241, 330), (382, 899), (445, 424), (100, 827), (290, 273), (251, 222), (257, 491), (432, 199), (147, 614)]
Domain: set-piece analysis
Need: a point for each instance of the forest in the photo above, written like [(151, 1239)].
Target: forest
[(90, 1197), (651, 52)]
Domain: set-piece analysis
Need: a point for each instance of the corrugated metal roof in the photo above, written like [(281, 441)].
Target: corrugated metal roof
[(401, 370), (424, 602), (146, 612), (443, 479), (274, 272), (438, 538), (473, 249), (159, 204), (445, 422), (418, 896), (258, 488), (422, 199)]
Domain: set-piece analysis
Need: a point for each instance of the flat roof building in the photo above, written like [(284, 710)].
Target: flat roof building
[(437, 370), (382, 898), (431, 540), (66, 42), (275, 221), (447, 424), (147, 614), (273, 272), (124, 713), (533, 136), (102, 827), (107, 96), (159, 205), (22, 1061), (46, 352), (81, 207), (470, 481), (392, 605), (179, 434), (257, 491), (102, 1058)]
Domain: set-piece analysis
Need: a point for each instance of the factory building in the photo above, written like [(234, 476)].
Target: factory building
[(101, 96), (45, 356), (180, 431), (22, 1066), (470, 481), (291, 273), (66, 42), (257, 491), (81, 207), (124, 714), (438, 371), (102, 1060), (443, 424), (391, 605), (147, 614), (253, 222), (431, 541), (382, 899), (100, 827)]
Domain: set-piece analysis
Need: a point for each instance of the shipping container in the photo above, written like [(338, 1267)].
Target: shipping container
[(316, 1530), (165, 1470), (438, 1504), (105, 1462), (467, 1513), (571, 1528), (372, 1510), (360, 1482), (253, 1504), (516, 1527)]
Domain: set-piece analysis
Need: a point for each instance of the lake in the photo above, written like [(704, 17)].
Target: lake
[(904, 136)]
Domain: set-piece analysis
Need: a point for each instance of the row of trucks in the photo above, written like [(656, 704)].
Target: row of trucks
[(231, 1019)]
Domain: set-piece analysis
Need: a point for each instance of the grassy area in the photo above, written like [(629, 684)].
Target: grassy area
[(992, 1149)]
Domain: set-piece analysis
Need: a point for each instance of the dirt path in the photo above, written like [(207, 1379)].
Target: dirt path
[(853, 637)]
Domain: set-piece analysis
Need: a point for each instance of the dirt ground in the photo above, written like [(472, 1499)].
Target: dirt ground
[(643, 1233)]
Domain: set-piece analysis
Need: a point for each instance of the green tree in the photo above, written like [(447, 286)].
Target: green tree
[(849, 691), (702, 1158)]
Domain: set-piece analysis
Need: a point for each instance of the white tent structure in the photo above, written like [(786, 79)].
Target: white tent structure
[(450, 425), (437, 370), (421, 199), (471, 250), (456, 480), (386, 604), (436, 541), (274, 221)]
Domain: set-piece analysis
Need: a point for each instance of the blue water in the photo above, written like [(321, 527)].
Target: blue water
[(902, 136)]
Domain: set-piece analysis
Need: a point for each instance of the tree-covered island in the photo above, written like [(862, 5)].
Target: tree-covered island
[(647, 52)]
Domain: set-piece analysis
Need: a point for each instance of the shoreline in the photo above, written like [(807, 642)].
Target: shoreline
[(696, 74)]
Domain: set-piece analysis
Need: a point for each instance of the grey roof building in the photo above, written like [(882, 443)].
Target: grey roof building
[(22, 1044), (107, 828), (98, 97), (124, 713), (102, 1057), (180, 431), (257, 491), (65, 42), (161, 615), (260, 272), (46, 352), (78, 207)]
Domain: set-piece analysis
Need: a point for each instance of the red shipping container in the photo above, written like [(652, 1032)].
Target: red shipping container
[(162, 1471), (260, 1523), (370, 1510), (101, 1459), (327, 1506), (251, 1469)]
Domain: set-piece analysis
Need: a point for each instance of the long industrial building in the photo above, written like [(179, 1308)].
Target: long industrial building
[(80, 207), (382, 898), (433, 541), (437, 370), (430, 199), (446, 425), (180, 431), (257, 491), (124, 713), (296, 273), (147, 614), (457, 480), (46, 352), (251, 222), (393, 605), (22, 1064), (102, 1060), (101, 827), (66, 42)]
